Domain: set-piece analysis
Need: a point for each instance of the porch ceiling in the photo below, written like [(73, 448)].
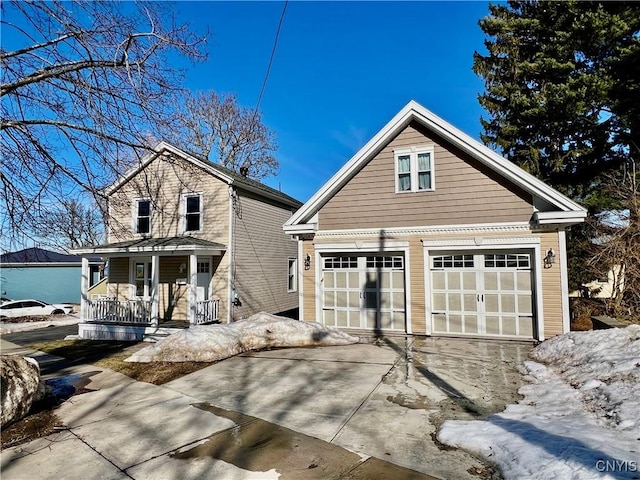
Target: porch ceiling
[(159, 246)]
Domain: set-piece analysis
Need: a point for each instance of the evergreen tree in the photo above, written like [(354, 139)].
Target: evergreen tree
[(562, 91), (562, 88)]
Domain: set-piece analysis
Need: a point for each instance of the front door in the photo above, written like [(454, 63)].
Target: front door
[(204, 279), (142, 278)]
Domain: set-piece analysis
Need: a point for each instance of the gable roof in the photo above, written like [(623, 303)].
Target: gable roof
[(567, 211), (222, 173), (35, 255)]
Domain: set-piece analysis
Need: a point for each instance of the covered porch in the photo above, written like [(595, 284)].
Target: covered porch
[(152, 283)]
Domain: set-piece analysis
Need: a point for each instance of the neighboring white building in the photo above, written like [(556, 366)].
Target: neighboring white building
[(605, 287)]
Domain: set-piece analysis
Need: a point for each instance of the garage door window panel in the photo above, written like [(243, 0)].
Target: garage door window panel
[(482, 294), (368, 290)]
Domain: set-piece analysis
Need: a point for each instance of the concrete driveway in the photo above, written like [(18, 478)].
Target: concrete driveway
[(385, 398), (352, 413)]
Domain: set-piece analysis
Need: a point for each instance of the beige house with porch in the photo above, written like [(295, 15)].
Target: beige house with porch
[(189, 242), (426, 231)]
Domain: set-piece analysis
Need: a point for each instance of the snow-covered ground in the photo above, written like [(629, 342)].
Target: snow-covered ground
[(580, 416), (209, 343), (52, 321)]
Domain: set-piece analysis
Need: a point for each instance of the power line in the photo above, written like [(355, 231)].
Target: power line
[(273, 52)]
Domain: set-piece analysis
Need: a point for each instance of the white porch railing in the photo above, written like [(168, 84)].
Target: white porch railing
[(208, 311), (121, 311)]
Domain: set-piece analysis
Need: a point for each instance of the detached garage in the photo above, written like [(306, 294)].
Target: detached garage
[(426, 231)]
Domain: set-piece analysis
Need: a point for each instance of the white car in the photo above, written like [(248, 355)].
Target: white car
[(23, 308)]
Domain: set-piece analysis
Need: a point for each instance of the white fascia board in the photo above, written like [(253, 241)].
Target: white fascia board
[(299, 229), (415, 111), (362, 246), (493, 160), (571, 217), (112, 252), (482, 242), (181, 153), (352, 166), (157, 151), (45, 264), (129, 174)]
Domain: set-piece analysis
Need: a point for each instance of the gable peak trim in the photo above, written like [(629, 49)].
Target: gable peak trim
[(413, 111)]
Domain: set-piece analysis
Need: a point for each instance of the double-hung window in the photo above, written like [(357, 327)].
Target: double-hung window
[(192, 205), (414, 169), (292, 284), (142, 216)]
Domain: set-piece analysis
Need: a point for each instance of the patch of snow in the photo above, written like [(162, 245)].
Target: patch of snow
[(580, 416), (209, 343), (55, 321)]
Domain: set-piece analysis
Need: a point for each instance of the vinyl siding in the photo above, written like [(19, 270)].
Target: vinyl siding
[(261, 253), (416, 279), (169, 291), (309, 281), (550, 277), (119, 283), (465, 192), (173, 298), (551, 287), (164, 181)]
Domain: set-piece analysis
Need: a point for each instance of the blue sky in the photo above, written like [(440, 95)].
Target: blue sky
[(341, 71)]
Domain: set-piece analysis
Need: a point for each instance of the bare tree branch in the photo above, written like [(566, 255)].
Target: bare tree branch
[(217, 128), (84, 85)]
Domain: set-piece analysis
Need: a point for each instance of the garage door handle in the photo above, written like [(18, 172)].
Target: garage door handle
[(480, 297)]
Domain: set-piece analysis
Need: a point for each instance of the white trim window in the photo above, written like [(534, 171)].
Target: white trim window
[(142, 216), (141, 277), (414, 169), (292, 281), (192, 212)]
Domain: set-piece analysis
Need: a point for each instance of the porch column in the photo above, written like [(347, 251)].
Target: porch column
[(84, 290), (193, 287), (155, 294)]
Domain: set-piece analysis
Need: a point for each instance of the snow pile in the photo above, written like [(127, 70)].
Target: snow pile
[(604, 366), (209, 343), (580, 417)]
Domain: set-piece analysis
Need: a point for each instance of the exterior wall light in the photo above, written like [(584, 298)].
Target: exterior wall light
[(550, 258), (307, 262)]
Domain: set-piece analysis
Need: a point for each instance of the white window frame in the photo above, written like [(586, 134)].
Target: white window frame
[(134, 216), (183, 213), (413, 153), (292, 274), (147, 279)]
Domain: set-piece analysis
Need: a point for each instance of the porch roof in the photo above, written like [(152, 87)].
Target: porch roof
[(159, 246)]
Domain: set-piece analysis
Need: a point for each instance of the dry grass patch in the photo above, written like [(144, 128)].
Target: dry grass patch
[(41, 420), (156, 373), (112, 355), (36, 425)]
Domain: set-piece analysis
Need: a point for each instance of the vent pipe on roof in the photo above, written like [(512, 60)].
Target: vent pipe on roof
[(244, 170)]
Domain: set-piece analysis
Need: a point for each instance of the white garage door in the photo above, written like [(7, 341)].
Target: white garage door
[(363, 292), (485, 293)]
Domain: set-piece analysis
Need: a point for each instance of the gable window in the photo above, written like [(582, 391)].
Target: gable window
[(414, 169), (143, 216), (192, 212), (292, 284)]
